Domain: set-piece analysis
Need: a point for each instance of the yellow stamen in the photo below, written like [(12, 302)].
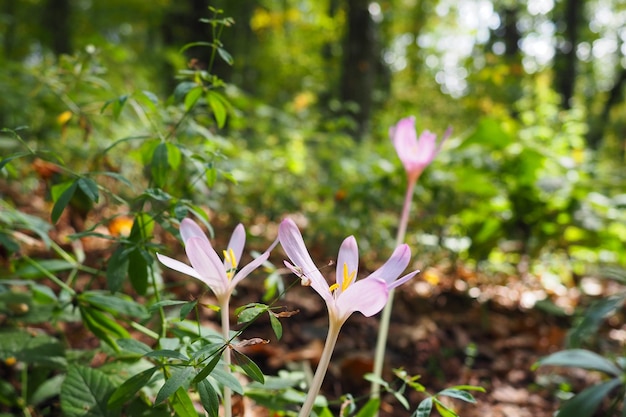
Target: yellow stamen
[(229, 257), (347, 277)]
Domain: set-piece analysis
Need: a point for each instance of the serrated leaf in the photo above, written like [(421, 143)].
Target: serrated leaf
[(181, 378), (580, 358), (117, 268), (85, 392), (208, 398), (248, 366), (192, 96), (130, 387), (63, 200), (38, 349), (424, 408), (90, 188), (277, 327), (458, 394)]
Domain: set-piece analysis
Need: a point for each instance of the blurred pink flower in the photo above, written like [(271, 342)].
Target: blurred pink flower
[(415, 154), (220, 276), (368, 295)]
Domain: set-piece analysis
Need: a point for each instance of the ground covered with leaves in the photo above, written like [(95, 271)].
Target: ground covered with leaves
[(451, 326)]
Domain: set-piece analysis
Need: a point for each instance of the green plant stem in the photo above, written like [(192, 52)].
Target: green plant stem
[(322, 367), (385, 319), (224, 308), (49, 275)]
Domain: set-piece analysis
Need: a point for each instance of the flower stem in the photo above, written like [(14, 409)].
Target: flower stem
[(383, 331), (322, 367), (224, 308)]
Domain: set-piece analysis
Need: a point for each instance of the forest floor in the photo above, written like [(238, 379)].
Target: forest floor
[(449, 325)]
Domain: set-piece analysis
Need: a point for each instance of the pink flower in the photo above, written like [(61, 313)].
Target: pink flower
[(368, 295), (220, 276), (415, 154)]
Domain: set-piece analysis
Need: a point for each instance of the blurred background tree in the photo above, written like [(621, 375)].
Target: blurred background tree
[(534, 91)]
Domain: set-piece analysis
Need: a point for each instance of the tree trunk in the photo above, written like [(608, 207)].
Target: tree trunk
[(565, 60), (359, 63), (56, 24)]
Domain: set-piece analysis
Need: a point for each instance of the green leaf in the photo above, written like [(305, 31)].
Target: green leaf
[(8, 159), (586, 403), (90, 188), (181, 378), (50, 388), (142, 229), (138, 270), (489, 132), (192, 96), (115, 303), (103, 326), (174, 156), (38, 349), (130, 387), (250, 312), (167, 353), (134, 346), (208, 398), (186, 308), (227, 379), (159, 166), (85, 392), (580, 358), (225, 56), (374, 378), (424, 408), (248, 366), (208, 369), (593, 317), (69, 188), (401, 399), (458, 394), (443, 410), (218, 105), (117, 268), (182, 404), (276, 326), (370, 409)]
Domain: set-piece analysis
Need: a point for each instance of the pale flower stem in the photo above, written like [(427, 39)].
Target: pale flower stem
[(383, 331), (224, 307), (322, 367)]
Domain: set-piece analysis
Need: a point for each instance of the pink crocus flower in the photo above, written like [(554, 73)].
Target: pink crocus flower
[(347, 295), (220, 276), (415, 154)]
